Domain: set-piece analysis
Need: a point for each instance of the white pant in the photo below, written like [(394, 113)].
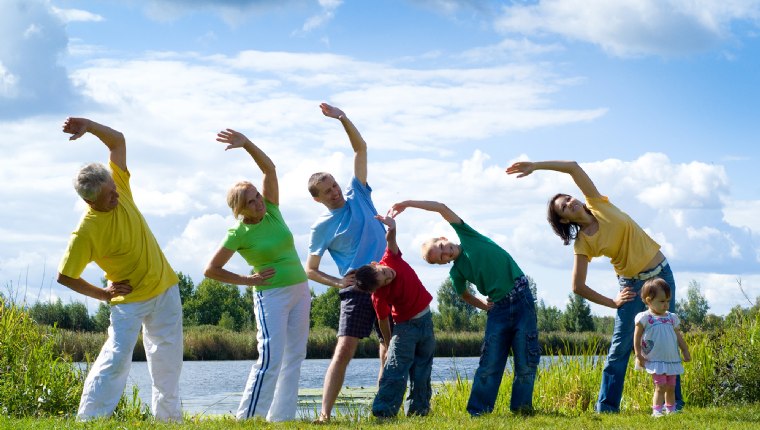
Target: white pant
[(282, 320), (161, 320)]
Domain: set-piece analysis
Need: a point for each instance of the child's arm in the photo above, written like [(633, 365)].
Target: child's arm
[(390, 234), (478, 303), (442, 209), (637, 334), (682, 345), (385, 330)]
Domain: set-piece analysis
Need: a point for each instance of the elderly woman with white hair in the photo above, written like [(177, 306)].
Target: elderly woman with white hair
[(282, 299)]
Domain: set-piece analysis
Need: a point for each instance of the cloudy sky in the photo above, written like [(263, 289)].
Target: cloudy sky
[(657, 99)]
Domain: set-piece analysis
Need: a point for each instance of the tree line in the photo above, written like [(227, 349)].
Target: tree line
[(219, 304)]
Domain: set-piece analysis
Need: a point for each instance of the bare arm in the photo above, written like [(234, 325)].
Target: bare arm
[(316, 275), (581, 179), (441, 208), (357, 142), (113, 139), (580, 269), (270, 187), (682, 345), (390, 234), (385, 330), (81, 286), (637, 334), (477, 302), (215, 270)]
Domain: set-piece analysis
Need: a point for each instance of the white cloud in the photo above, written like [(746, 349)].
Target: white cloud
[(76, 15), (32, 38), (633, 27)]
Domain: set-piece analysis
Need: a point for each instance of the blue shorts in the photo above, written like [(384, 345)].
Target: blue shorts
[(357, 315)]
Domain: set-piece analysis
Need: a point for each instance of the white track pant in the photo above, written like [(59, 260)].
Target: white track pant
[(282, 319), (161, 320)]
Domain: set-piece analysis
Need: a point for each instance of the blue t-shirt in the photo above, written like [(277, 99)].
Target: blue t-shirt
[(351, 234)]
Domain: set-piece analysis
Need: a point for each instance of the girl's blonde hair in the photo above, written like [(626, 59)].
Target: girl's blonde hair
[(236, 197)]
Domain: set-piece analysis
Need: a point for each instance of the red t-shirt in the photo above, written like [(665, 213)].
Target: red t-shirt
[(405, 295)]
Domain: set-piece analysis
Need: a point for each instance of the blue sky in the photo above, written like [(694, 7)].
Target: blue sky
[(656, 98)]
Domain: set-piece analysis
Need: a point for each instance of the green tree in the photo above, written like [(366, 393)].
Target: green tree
[(577, 317), (325, 309), (52, 314), (102, 318), (549, 318), (455, 314), (186, 287), (693, 310), (79, 317), (213, 298)]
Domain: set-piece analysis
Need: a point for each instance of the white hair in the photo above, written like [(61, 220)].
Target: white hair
[(90, 179)]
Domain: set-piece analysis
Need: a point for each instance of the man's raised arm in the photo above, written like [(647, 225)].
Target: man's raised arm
[(113, 139), (357, 141)]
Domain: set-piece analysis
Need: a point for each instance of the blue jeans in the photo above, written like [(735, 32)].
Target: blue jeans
[(511, 325), (613, 375), (410, 356)]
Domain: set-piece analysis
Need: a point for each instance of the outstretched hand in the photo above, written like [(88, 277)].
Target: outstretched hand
[(524, 168), (396, 209), (387, 220), (331, 111), (77, 127), (232, 138)]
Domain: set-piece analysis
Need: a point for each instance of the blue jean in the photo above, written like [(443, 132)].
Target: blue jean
[(410, 356), (613, 375), (511, 325)]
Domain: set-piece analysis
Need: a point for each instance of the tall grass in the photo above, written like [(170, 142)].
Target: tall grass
[(34, 380), (725, 370), (217, 343)]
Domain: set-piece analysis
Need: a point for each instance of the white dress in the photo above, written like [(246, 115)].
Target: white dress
[(659, 344)]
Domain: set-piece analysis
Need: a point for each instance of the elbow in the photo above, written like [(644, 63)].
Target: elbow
[(578, 288), (61, 279), (209, 272)]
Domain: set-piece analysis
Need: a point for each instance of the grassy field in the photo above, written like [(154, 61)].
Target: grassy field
[(725, 418)]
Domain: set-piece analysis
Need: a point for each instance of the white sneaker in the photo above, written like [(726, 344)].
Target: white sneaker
[(657, 414)]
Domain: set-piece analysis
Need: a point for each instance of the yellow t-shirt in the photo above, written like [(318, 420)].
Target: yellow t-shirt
[(121, 243), (619, 238)]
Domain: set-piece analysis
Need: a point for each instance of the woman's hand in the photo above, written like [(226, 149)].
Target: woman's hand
[(260, 278), (624, 296), (522, 168)]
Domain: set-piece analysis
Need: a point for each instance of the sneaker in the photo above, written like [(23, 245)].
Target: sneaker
[(674, 411), (657, 414)]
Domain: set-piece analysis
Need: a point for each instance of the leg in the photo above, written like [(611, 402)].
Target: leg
[(162, 338), (493, 359), (296, 336), (526, 351), (420, 390), (270, 323), (400, 356), (336, 373), (108, 376), (613, 374), (667, 275), (670, 393)]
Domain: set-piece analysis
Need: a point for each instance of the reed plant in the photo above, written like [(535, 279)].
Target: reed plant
[(216, 343), (34, 380)]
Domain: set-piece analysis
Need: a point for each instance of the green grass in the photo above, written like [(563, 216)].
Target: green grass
[(728, 418)]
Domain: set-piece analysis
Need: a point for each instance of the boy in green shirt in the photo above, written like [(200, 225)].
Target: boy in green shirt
[(511, 323)]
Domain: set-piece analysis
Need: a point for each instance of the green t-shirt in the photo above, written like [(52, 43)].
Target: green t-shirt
[(484, 264), (265, 244)]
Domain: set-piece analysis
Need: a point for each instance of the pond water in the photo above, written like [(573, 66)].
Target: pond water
[(215, 387)]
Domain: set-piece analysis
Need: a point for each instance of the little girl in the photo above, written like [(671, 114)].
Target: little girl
[(656, 341)]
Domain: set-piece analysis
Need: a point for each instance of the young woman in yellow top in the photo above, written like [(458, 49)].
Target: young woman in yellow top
[(599, 228)]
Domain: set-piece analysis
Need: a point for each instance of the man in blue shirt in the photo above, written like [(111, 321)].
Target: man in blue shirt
[(352, 235)]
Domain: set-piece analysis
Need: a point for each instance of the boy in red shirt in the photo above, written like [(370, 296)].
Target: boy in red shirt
[(397, 290)]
